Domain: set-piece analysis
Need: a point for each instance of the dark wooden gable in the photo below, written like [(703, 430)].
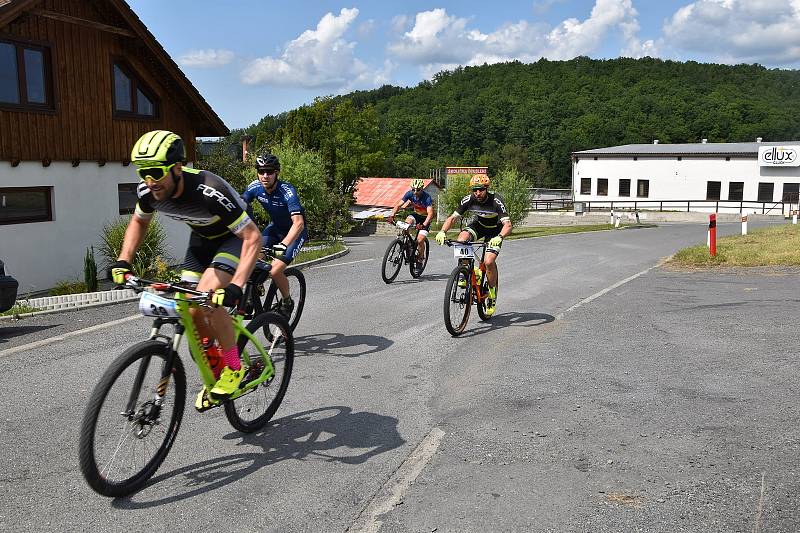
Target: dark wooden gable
[(84, 40)]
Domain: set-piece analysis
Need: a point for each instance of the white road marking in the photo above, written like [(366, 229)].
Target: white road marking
[(392, 492), (760, 508), (341, 264), (65, 336), (611, 288)]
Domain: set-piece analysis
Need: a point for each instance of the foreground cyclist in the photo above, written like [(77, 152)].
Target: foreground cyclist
[(492, 222), (286, 232), (223, 246), (421, 217)]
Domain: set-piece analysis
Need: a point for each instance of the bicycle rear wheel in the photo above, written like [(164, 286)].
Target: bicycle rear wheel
[(417, 272), (392, 261), (297, 291), (124, 435), (252, 411), (457, 300), (481, 304)]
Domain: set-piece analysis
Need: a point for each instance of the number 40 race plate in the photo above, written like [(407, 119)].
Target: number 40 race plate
[(462, 250)]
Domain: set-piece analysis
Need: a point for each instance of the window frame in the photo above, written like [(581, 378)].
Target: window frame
[(602, 191), (718, 186), (51, 94), (790, 197), (628, 193), (740, 192), (638, 188), (48, 217), (120, 190), (586, 190), (771, 188), (136, 84)]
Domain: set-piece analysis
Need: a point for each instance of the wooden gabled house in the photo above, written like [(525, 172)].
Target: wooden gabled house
[(80, 81)]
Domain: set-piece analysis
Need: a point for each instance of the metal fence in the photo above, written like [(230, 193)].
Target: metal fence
[(717, 206)]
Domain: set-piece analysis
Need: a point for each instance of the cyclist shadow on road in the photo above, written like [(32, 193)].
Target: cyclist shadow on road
[(505, 320), (329, 434), (424, 277), (17, 331), (340, 345)]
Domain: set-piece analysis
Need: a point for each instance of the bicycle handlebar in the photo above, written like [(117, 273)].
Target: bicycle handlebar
[(451, 242), (140, 284)]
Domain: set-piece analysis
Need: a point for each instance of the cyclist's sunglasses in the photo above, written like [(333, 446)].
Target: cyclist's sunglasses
[(415, 189), (155, 173), (479, 188), (266, 171)]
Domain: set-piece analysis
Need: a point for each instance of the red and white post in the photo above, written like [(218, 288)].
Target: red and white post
[(744, 224), (712, 234)]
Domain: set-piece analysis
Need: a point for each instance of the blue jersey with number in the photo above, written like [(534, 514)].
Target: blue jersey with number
[(281, 204), (420, 204)]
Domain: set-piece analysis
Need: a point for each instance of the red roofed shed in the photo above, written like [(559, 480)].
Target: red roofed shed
[(375, 197)]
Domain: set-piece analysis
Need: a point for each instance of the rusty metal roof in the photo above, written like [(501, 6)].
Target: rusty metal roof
[(384, 192)]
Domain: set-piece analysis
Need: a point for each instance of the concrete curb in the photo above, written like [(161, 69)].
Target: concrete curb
[(70, 302)]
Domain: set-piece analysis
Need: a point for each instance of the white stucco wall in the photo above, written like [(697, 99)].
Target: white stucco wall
[(84, 198), (687, 179)]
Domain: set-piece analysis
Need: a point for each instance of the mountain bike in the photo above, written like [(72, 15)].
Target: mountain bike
[(258, 298), (135, 410), (403, 250), (466, 284)]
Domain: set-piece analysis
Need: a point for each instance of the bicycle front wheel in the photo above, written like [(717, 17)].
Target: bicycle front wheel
[(297, 291), (457, 300), (250, 412), (417, 267), (128, 429), (392, 261)]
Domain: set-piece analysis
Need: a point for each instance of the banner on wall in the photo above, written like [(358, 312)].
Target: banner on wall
[(778, 156), (466, 170)]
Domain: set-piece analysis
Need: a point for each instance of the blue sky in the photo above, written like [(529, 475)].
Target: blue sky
[(250, 58)]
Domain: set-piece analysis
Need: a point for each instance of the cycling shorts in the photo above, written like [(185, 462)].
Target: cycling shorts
[(419, 219), (221, 253), (478, 231), (272, 235)]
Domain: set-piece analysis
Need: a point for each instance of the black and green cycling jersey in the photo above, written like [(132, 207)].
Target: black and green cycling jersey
[(208, 204), (490, 213)]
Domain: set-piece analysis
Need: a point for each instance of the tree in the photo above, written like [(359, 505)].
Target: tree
[(514, 188)]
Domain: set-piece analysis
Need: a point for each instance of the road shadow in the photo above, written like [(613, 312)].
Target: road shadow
[(506, 320), (424, 277), (331, 434), (340, 345), (10, 332)]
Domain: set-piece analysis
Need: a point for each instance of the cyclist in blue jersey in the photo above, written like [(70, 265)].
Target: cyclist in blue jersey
[(421, 217), (286, 232)]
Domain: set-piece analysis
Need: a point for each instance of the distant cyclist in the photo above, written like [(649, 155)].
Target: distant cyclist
[(286, 232), (223, 246), (421, 217), (492, 222)]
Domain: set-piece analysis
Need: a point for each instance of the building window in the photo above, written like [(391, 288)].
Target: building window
[(26, 78), (765, 191), (736, 191), (21, 205), (713, 190), (126, 193), (624, 187), (586, 185), (642, 188), (132, 98), (602, 187), (790, 192)]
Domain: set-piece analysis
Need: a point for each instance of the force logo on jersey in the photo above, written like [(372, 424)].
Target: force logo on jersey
[(211, 192)]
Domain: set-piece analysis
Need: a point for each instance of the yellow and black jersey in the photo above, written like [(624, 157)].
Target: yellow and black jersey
[(490, 213)]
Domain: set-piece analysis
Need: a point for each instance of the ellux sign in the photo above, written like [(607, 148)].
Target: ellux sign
[(467, 170), (778, 156)]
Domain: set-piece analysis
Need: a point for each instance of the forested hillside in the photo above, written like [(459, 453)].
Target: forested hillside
[(532, 116)]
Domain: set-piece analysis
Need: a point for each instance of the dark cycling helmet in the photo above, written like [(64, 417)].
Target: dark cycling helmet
[(159, 146), (267, 162)]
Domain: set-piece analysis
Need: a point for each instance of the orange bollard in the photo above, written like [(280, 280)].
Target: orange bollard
[(712, 234)]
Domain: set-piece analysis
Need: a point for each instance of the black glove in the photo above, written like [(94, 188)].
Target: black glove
[(119, 271), (278, 249), (227, 297)]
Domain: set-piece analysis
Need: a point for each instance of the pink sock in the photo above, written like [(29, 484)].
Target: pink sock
[(231, 358)]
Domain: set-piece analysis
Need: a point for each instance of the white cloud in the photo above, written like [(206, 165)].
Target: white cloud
[(440, 41), (321, 57), (738, 31), (206, 58)]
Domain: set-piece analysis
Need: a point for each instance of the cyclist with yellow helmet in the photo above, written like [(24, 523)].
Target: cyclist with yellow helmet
[(422, 215), (492, 223), (223, 245)]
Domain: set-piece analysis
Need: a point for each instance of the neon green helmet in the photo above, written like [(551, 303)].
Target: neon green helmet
[(417, 183), (158, 147)]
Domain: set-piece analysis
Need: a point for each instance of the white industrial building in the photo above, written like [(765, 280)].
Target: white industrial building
[(754, 177)]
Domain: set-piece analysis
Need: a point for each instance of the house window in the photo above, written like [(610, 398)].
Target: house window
[(20, 205), (713, 190), (736, 191), (586, 185), (126, 193), (132, 98), (602, 187), (765, 191), (790, 192), (642, 188), (624, 187), (26, 78)]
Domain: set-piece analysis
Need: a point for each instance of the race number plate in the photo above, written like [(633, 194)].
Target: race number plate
[(462, 251), (155, 305), (402, 225)]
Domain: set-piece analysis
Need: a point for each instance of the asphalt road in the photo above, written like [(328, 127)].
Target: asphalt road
[(607, 394)]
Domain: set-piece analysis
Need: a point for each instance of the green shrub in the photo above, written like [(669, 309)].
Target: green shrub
[(68, 287), (90, 270), (152, 249), (513, 187)]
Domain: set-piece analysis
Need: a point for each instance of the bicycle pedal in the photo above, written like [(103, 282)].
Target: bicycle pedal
[(205, 401)]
